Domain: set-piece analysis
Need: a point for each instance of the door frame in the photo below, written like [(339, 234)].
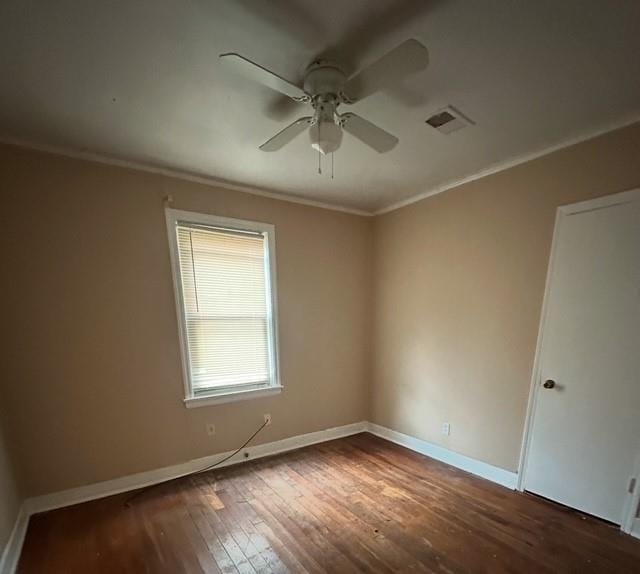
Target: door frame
[(627, 519)]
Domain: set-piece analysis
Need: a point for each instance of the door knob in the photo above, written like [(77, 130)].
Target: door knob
[(549, 384)]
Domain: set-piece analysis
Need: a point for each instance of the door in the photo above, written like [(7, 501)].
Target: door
[(585, 434)]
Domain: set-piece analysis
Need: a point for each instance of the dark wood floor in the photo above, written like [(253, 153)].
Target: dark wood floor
[(359, 504)]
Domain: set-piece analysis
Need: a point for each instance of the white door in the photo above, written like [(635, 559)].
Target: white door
[(585, 434)]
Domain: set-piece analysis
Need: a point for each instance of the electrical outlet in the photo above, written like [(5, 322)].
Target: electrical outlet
[(211, 429), (446, 428), (267, 419)]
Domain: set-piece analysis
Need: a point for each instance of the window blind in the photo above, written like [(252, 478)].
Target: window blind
[(227, 311)]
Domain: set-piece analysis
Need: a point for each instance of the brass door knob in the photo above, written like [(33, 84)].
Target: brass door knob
[(549, 384)]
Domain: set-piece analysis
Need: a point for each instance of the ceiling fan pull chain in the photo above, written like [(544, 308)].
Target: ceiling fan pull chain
[(332, 165), (319, 154)]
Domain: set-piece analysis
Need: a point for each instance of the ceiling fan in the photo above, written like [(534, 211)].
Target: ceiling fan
[(326, 86)]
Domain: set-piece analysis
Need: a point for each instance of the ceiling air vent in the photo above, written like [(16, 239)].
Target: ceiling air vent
[(448, 120)]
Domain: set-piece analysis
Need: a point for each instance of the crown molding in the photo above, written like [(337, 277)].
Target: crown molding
[(178, 174), (511, 162), (279, 196)]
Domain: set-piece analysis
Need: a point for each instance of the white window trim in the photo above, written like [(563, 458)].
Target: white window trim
[(226, 394)]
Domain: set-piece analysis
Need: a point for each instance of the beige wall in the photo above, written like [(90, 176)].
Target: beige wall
[(459, 281), (451, 288), (9, 495), (93, 383)]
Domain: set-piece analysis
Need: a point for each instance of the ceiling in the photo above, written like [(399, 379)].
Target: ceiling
[(141, 81)]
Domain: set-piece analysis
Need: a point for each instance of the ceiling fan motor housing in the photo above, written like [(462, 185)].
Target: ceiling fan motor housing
[(324, 77)]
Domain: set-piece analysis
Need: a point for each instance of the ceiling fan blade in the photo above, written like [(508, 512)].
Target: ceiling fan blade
[(368, 133), (407, 58), (256, 72), (284, 136)]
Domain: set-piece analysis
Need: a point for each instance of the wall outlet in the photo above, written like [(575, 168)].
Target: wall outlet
[(267, 419), (211, 429), (446, 429)]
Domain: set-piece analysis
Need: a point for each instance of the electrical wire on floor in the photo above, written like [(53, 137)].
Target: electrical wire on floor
[(146, 489)]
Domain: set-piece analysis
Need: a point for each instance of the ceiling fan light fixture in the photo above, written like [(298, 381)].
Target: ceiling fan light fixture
[(325, 136)]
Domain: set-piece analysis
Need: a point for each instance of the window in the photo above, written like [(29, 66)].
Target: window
[(224, 279)]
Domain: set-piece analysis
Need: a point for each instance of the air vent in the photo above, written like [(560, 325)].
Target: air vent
[(448, 120)]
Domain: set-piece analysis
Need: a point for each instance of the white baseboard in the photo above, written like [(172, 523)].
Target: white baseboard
[(11, 552), (483, 469), (9, 559), (134, 481)]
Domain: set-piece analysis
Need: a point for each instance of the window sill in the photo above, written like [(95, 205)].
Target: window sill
[(231, 396)]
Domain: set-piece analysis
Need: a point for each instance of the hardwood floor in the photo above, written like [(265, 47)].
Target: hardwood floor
[(359, 504)]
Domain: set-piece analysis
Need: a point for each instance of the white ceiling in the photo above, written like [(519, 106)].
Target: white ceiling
[(141, 81)]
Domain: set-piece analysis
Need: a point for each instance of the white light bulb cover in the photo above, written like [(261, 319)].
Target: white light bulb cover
[(326, 136)]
